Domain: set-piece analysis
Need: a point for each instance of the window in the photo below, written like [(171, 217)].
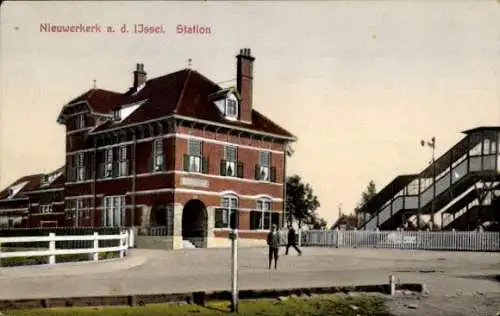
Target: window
[(156, 160), (231, 108), (80, 121), (45, 209), (229, 166), (113, 214), (226, 215), (123, 169), (262, 217), (78, 210), (116, 115), (476, 150), (80, 166), (194, 160), (45, 180), (108, 170), (264, 171)]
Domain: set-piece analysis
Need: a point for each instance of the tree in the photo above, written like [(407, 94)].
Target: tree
[(301, 203), (319, 223), (367, 195)]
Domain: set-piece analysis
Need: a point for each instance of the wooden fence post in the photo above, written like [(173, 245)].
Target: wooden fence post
[(52, 248), (96, 246)]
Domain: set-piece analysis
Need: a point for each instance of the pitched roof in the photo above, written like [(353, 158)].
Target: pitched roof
[(350, 220), (184, 93), (100, 101), (31, 182), (55, 183)]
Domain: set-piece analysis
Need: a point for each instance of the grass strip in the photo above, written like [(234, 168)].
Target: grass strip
[(322, 305)]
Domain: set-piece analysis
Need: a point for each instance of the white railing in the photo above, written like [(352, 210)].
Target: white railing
[(417, 240), (442, 183), (52, 252), (450, 218)]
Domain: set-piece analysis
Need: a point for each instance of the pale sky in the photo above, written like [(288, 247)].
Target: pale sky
[(360, 83)]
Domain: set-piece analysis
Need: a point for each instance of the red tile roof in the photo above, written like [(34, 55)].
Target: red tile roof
[(55, 184), (101, 101), (33, 182), (185, 93)]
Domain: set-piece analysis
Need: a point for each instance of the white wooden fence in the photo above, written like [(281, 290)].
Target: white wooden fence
[(417, 240), (52, 252)]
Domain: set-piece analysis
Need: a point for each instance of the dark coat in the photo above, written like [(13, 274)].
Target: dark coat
[(273, 240), (292, 237)]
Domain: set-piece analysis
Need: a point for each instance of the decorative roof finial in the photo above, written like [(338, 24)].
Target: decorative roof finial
[(189, 63), (94, 84)]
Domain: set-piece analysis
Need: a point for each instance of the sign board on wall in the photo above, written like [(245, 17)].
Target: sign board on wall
[(194, 182)]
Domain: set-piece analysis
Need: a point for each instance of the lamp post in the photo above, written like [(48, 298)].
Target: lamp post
[(432, 145), (234, 261)]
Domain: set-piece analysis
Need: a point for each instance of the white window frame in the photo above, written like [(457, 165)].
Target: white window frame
[(47, 222), (80, 121), (80, 162), (45, 180), (231, 162), (264, 207), (157, 154), (231, 205), (113, 211), (117, 114), (46, 209), (108, 162), (78, 212), (265, 167), (195, 163), (123, 168), (228, 107)]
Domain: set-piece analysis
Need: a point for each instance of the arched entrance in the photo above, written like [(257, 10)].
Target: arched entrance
[(158, 216), (194, 223)]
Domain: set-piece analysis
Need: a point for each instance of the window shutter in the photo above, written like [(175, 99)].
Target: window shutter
[(151, 164), (185, 162), (239, 170), (257, 172), (204, 167), (273, 174), (222, 167), (234, 220)]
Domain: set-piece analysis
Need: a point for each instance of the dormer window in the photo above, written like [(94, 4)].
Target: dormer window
[(11, 192), (231, 108), (116, 115), (45, 180)]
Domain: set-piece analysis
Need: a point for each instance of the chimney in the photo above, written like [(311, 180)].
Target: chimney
[(139, 76), (244, 83)]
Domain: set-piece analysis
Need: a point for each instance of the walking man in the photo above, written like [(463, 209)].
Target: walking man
[(273, 241), (292, 241)]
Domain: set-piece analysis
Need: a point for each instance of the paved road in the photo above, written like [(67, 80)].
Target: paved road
[(158, 271)]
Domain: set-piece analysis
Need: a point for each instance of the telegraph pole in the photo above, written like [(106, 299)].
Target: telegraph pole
[(432, 145)]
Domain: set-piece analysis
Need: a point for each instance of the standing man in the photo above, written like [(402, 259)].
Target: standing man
[(273, 241), (292, 241)]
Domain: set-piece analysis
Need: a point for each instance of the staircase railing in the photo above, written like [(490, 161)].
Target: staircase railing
[(443, 183)]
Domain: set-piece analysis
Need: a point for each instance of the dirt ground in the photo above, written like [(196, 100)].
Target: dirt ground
[(470, 304)]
